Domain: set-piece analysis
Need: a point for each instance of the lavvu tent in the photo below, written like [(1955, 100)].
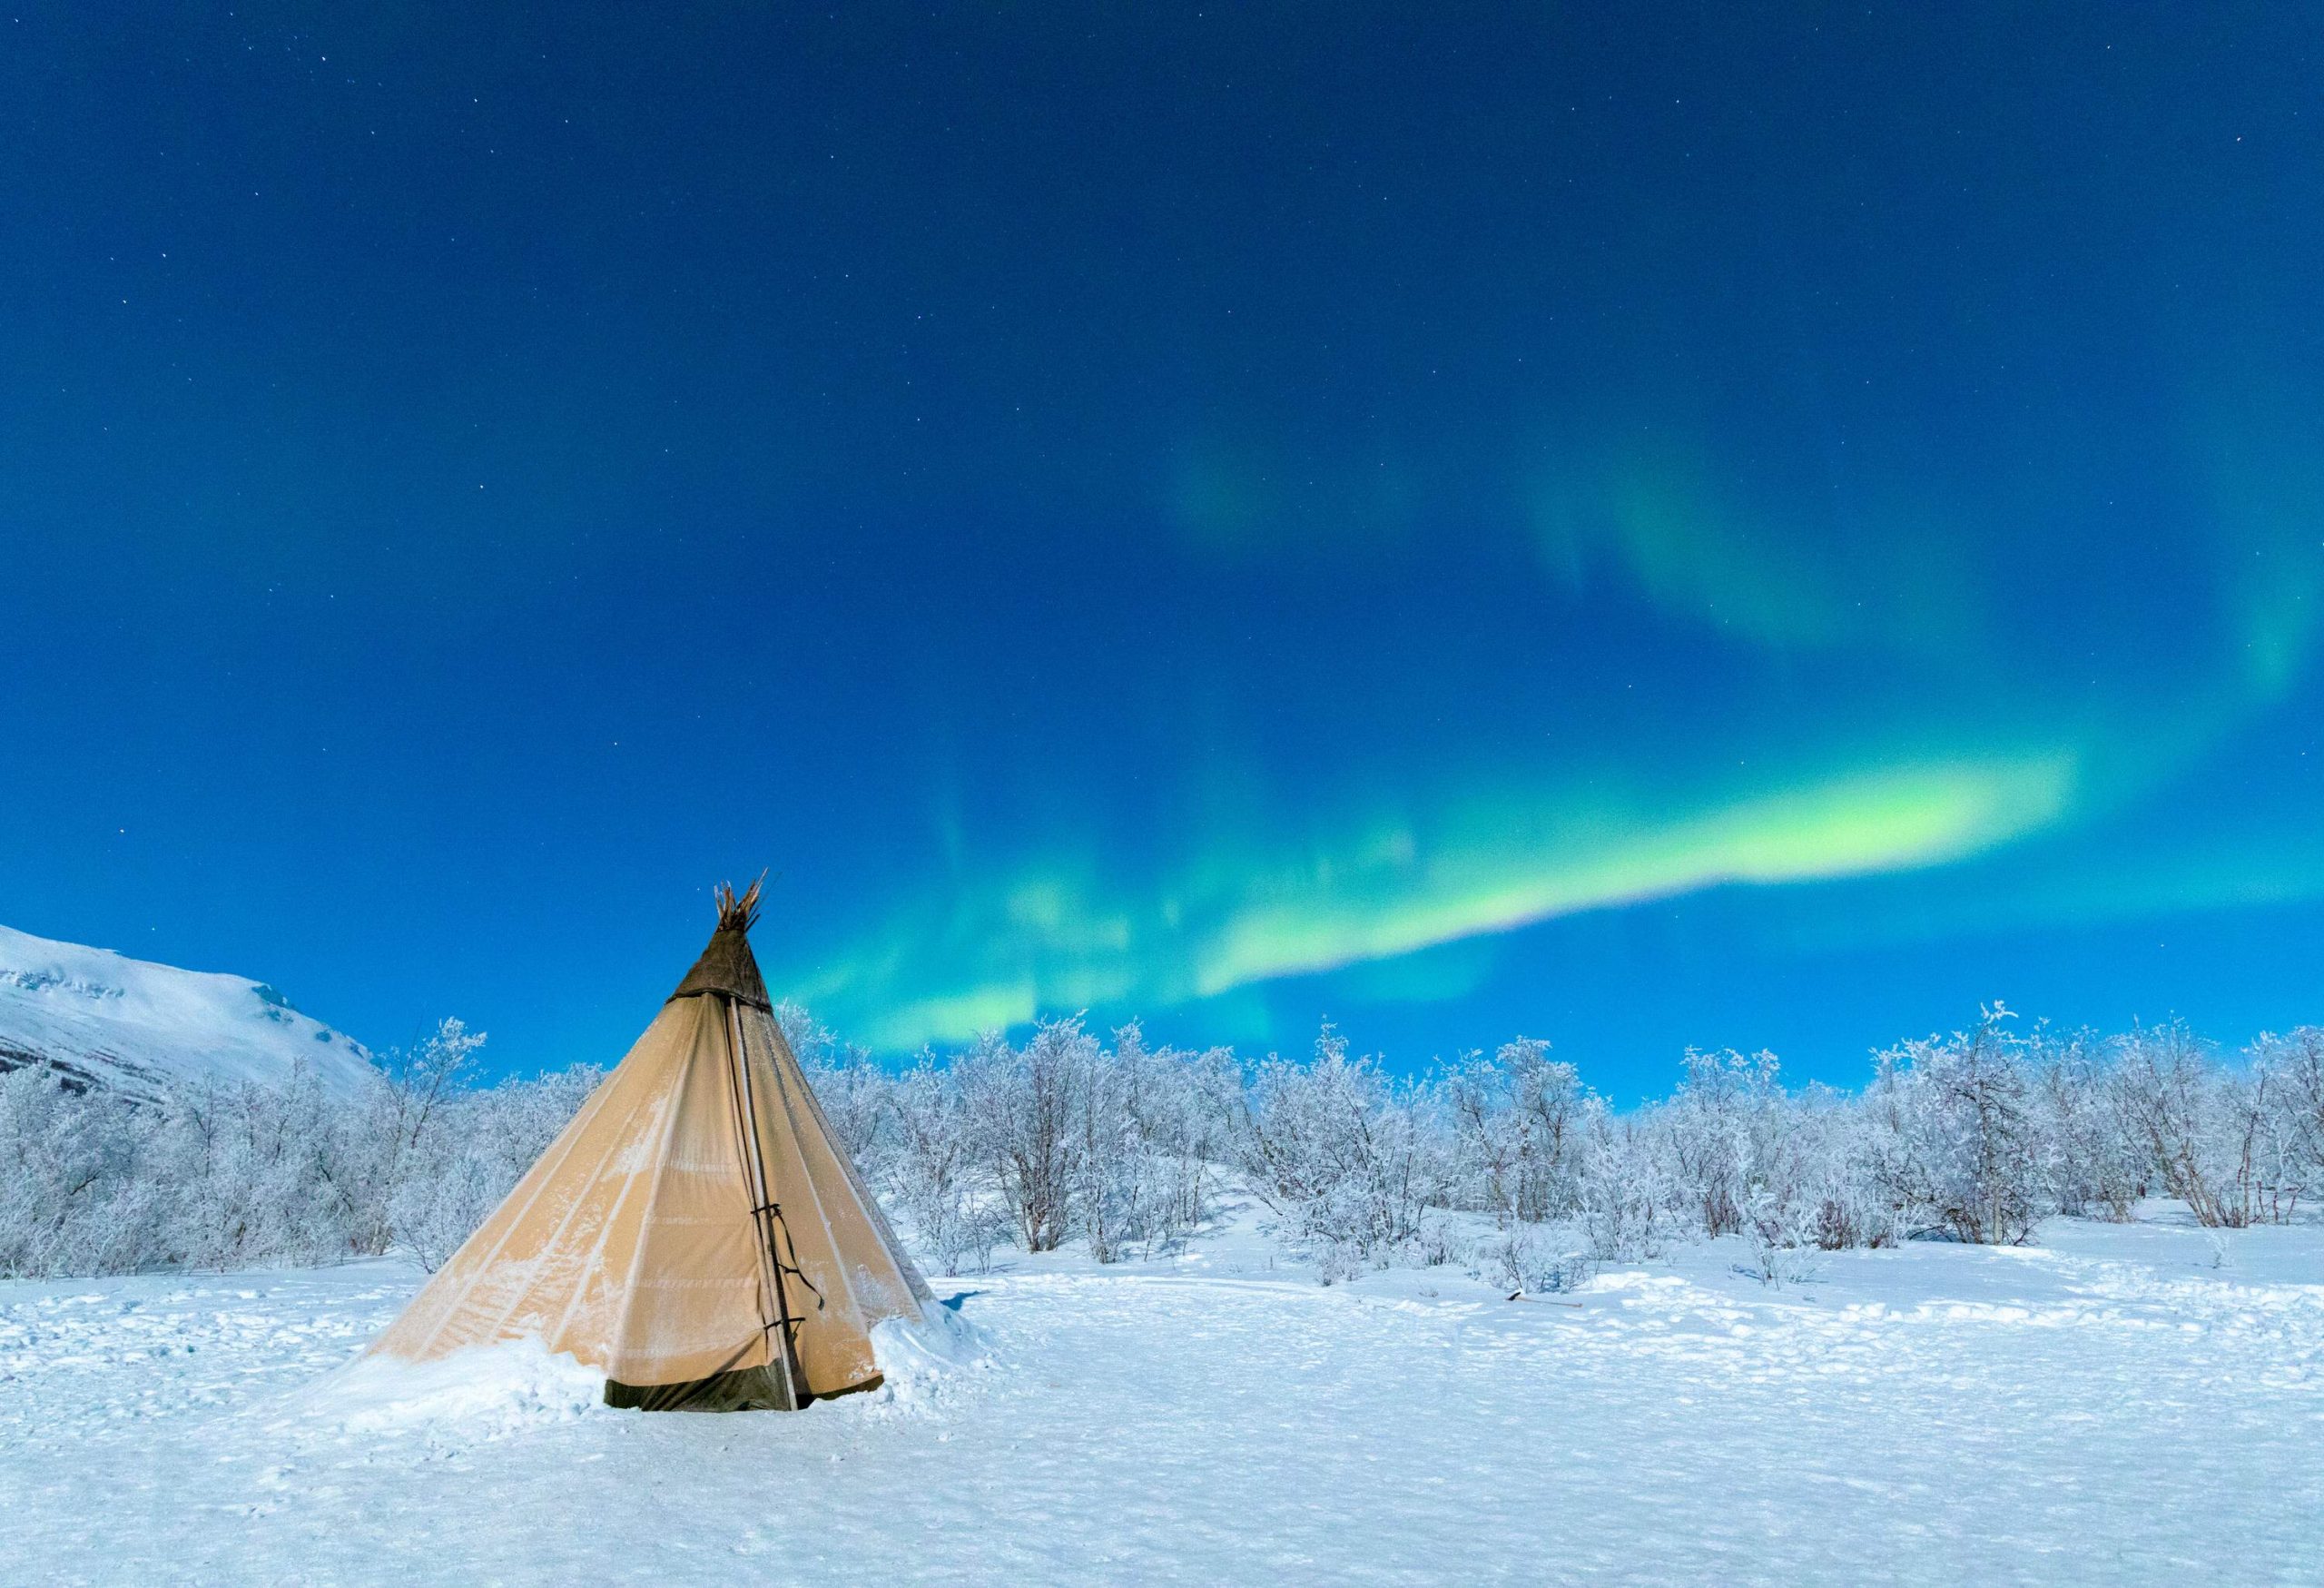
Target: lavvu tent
[(696, 1232)]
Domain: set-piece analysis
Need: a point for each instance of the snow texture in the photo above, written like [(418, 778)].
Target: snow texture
[(2107, 1407), (97, 1017)]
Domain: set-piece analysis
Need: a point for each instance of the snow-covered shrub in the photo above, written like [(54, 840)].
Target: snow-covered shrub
[(1437, 1243), (432, 1214), (221, 1174), (1783, 1230), (1172, 1116), (1956, 1143), (71, 1201), (1804, 1182), (1025, 1109), (1832, 1160), (1720, 1125), (2232, 1142), (2097, 1168), (2297, 1061), (1336, 1262), (258, 1174), (404, 1133), (935, 1172), (1516, 1123), (1625, 1191), (2283, 1089), (1534, 1259), (1347, 1154), (1146, 1130), (1124, 1189)]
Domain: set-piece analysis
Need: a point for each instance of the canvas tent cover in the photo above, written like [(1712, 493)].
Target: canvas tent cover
[(697, 1233)]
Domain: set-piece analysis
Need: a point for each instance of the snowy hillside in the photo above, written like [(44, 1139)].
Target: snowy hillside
[(96, 1017), (2119, 1405)]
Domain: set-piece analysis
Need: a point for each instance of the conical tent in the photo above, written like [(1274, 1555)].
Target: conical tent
[(696, 1232)]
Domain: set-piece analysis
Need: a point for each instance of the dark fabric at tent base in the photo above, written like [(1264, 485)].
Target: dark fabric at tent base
[(748, 1389)]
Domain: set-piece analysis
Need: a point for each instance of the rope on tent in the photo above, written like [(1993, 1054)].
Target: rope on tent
[(776, 1208)]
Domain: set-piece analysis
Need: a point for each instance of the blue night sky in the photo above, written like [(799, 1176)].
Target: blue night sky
[(1639, 526)]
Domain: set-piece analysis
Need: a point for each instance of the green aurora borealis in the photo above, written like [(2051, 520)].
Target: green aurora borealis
[(2004, 744)]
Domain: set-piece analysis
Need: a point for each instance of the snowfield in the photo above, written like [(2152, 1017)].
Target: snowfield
[(2106, 1408)]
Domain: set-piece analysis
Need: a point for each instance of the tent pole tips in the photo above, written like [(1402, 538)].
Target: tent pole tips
[(738, 914)]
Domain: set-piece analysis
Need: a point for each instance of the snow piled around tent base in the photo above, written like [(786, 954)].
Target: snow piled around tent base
[(920, 1362), (492, 1391), (486, 1392)]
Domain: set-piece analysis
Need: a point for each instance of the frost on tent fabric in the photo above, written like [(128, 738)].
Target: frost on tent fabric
[(697, 1234)]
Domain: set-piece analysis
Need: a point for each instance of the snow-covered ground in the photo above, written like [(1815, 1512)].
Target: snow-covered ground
[(2108, 1407), (97, 1016)]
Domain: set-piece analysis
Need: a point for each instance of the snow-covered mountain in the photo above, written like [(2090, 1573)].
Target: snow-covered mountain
[(99, 1018)]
